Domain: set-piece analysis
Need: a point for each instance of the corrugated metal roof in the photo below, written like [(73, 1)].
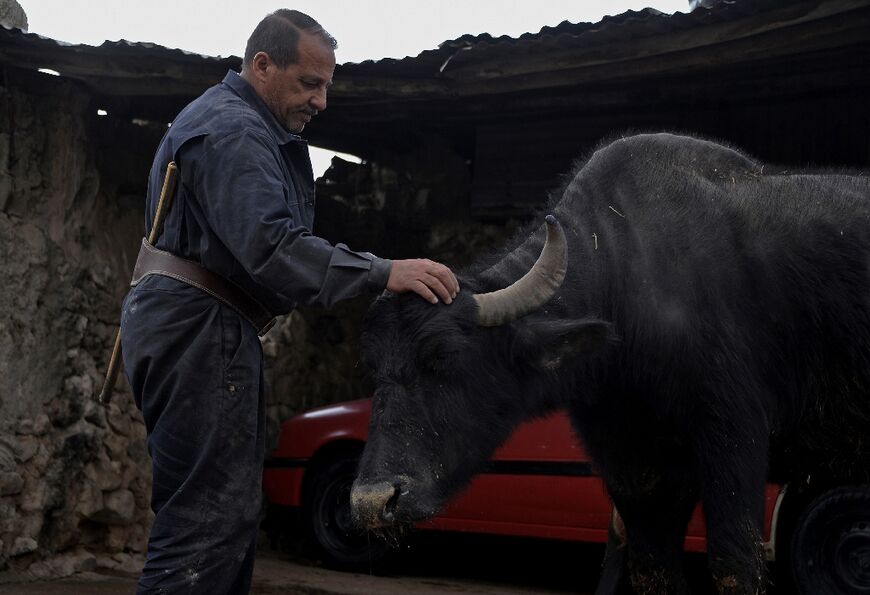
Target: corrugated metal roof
[(14, 36), (629, 26), (625, 47), (635, 44), (120, 71), (635, 24)]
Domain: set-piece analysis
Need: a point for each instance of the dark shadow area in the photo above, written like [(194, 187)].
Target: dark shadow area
[(535, 565)]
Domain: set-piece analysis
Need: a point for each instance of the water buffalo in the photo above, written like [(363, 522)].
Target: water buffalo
[(693, 313)]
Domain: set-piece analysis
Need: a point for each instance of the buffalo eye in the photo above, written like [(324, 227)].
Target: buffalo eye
[(437, 361)]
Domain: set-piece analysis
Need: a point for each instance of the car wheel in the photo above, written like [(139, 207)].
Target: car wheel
[(830, 550), (328, 520)]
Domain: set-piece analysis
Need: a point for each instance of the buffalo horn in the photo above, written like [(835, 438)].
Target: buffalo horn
[(534, 289)]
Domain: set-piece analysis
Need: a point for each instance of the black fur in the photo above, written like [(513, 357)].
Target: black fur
[(730, 312)]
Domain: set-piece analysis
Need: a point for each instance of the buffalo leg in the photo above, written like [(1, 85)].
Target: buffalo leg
[(655, 508), (614, 569), (733, 479)]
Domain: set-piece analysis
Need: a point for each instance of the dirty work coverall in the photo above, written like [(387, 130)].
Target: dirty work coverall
[(243, 209)]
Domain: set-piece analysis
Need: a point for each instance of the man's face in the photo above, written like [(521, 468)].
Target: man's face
[(297, 93)]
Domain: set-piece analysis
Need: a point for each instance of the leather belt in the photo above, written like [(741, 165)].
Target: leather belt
[(152, 261)]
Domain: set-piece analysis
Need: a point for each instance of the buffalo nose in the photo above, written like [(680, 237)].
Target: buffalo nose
[(371, 504)]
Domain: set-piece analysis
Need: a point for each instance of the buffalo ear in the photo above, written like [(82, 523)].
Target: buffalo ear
[(548, 343)]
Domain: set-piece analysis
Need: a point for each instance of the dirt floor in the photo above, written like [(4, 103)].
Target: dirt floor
[(275, 573), (434, 564), (468, 565)]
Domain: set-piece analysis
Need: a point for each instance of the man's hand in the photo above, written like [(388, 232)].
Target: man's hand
[(431, 280)]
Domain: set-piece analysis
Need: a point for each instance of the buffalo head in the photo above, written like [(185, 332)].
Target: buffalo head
[(453, 381)]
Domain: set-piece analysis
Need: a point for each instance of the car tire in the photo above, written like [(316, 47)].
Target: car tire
[(328, 524), (830, 549)]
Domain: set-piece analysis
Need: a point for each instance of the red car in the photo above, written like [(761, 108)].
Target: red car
[(540, 483)]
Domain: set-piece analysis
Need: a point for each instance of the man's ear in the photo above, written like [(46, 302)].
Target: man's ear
[(259, 66), (548, 343)]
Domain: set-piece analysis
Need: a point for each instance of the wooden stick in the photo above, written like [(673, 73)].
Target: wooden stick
[(166, 195), (163, 204)]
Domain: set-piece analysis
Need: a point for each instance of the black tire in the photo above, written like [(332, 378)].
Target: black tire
[(327, 520), (830, 548)]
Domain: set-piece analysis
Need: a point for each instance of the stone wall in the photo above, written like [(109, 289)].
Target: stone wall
[(75, 476), (12, 15)]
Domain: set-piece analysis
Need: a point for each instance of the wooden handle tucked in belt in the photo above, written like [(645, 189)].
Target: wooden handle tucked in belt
[(166, 194)]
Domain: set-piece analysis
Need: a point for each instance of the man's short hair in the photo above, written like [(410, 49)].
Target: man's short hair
[(278, 36)]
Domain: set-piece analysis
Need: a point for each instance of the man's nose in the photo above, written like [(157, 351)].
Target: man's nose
[(318, 101)]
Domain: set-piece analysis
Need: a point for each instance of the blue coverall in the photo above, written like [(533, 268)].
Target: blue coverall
[(243, 208)]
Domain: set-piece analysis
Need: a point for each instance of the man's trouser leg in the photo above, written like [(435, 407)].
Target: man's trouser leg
[(196, 371)]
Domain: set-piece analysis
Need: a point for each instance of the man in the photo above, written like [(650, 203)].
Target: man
[(243, 209)]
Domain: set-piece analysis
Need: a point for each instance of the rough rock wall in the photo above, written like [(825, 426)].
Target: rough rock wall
[(12, 16), (73, 475)]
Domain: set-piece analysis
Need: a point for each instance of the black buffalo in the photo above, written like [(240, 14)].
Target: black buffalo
[(693, 313)]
